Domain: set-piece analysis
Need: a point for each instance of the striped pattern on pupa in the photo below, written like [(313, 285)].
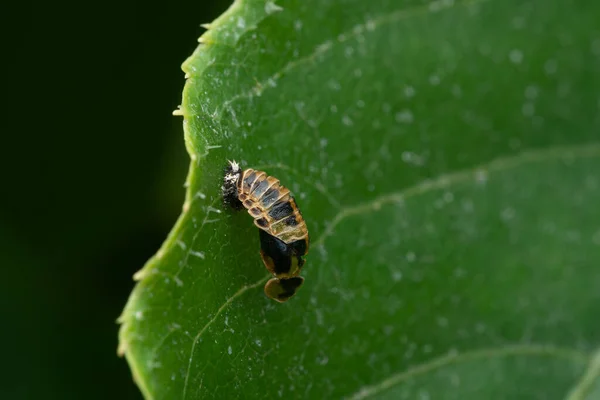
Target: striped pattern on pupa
[(272, 206)]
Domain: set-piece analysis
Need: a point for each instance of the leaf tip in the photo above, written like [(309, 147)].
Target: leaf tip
[(186, 206), (271, 7), (141, 274), (122, 348)]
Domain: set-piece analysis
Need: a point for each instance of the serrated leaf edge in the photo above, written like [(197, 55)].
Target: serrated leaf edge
[(227, 19)]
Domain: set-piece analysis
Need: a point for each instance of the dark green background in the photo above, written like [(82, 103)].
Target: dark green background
[(93, 166)]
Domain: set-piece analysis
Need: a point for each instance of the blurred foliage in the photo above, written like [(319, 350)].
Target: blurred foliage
[(93, 168), (445, 157)]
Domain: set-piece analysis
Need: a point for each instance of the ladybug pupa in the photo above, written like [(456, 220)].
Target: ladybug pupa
[(284, 239)]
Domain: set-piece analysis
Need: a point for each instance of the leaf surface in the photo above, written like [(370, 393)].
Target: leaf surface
[(445, 157)]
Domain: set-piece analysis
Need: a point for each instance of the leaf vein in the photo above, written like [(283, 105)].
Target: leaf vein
[(367, 26), (449, 359), (477, 173), (591, 375), (230, 300)]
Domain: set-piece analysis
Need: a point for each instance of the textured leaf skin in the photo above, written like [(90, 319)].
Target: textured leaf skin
[(445, 156)]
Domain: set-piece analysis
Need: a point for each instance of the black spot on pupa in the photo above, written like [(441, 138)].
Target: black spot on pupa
[(291, 221), (269, 197), (299, 246), (290, 286), (277, 250), (255, 211), (262, 222), (249, 180), (280, 210)]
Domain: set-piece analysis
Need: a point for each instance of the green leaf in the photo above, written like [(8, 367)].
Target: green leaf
[(445, 156)]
